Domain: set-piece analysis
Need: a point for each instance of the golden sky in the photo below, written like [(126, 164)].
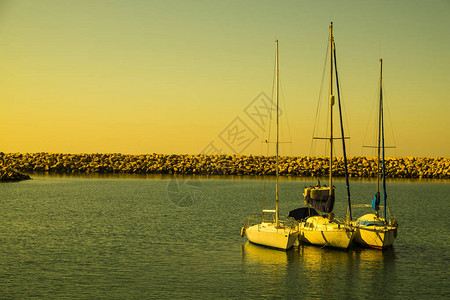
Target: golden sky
[(182, 76)]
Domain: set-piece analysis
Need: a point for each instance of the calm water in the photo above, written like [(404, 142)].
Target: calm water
[(137, 237)]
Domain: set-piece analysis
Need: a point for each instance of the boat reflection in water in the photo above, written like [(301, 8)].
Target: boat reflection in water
[(316, 258), (255, 254), (323, 271)]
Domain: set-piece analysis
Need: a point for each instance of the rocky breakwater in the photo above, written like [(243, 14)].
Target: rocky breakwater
[(8, 174), (407, 167)]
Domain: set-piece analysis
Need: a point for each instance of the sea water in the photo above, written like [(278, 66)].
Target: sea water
[(103, 237)]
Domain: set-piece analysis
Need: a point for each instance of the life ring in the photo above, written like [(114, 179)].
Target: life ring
[(242, 231)]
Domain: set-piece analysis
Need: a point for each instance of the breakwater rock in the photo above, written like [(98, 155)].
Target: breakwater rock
[(8, 174), (406, 167)]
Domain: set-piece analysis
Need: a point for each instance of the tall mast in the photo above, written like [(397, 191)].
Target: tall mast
[(380, 112), (382, 136), (331, 108), (277, 213), (344, 152)]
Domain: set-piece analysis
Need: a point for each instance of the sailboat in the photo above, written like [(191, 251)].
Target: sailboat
[(325, 230), (267, 229), (375, 230)]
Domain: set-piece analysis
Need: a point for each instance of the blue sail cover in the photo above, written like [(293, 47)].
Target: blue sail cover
[(376, 202), (320, 198)]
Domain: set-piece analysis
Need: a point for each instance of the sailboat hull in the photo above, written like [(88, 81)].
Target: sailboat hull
[(374, 235), (269, 235), (320, 231)]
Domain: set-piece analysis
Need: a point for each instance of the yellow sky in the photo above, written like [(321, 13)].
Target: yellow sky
[(180, 76)]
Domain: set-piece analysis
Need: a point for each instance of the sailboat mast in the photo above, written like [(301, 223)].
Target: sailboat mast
[(344, 152), (382, 137), (380, 109), (277, 212), (331, 108)]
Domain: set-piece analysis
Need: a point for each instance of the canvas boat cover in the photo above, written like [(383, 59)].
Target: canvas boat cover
[(302, 213), (321, 198)]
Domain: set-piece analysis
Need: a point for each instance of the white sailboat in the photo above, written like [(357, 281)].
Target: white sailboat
[(267, 229), (325, 230), (375, 230)]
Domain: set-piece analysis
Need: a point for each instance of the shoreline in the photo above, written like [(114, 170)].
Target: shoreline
[(301, 166)]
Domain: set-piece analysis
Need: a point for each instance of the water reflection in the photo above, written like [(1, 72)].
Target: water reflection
[(307, 180), (255, 254), (315, 272), (317, 258), (50, 175)]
